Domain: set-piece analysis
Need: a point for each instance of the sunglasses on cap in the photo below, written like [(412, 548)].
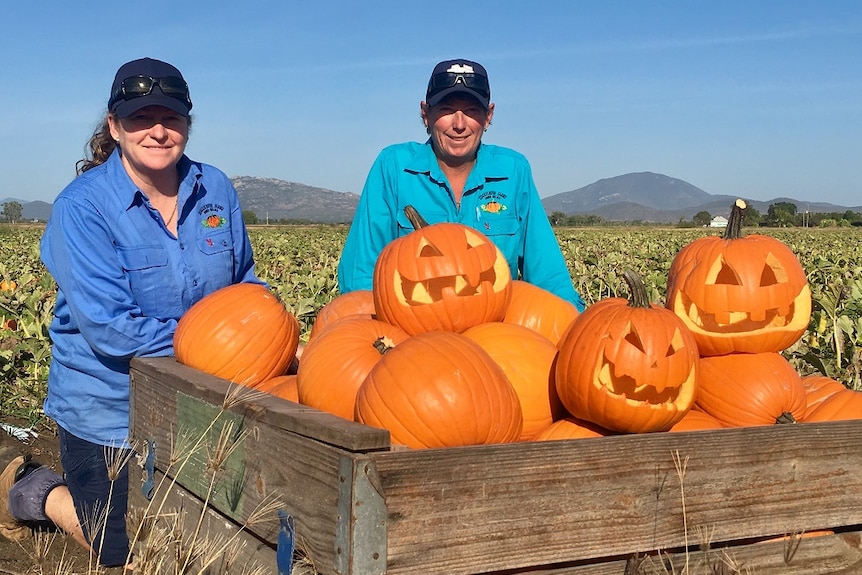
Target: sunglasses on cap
[(138, 86), (475, 82)]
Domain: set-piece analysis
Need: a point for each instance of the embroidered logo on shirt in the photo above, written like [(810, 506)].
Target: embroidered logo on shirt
[(493, 207), (213, 221)]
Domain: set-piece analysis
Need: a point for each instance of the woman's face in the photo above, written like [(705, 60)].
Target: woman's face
[(456, 126), (152, 140)]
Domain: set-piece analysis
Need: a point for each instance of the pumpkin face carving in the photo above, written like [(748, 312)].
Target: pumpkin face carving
[(627, 367), (441, 277), (740, 294)]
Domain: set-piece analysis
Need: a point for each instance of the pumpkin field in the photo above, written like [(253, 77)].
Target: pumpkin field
[(300, 264)]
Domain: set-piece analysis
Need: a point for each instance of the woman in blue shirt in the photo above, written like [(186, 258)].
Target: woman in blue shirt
[(454, 177), (139, 236)]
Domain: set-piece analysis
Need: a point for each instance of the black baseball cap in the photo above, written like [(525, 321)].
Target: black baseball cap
[(458, 76), (148, 82)]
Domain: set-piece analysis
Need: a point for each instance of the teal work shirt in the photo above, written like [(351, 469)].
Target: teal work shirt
[(499, 199)]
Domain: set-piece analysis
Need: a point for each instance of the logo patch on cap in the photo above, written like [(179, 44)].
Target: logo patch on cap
[(460, 69)]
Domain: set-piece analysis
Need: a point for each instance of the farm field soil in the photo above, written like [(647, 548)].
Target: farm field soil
[(17, 558)]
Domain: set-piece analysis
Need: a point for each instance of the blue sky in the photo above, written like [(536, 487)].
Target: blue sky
[(754, 98)]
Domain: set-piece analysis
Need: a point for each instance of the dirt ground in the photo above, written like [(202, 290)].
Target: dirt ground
[(19, 558)]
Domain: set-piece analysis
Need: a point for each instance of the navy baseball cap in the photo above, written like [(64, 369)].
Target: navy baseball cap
[(458, 76), (148, 82)]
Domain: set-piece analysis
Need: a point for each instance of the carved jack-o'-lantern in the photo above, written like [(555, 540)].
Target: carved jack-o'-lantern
[(627, 366), (740, 294), (440, 277)]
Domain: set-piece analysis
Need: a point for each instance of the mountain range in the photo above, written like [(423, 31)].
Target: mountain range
[(650, 197), (640, 196)]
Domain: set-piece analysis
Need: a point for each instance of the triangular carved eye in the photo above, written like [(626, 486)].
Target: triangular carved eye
[(723, 275), (767, 277), (676, 343), (773, 272), (474, 239), (633, 338), (428, 250)]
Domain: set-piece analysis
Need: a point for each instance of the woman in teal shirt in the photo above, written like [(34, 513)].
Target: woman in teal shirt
[(454, 177)]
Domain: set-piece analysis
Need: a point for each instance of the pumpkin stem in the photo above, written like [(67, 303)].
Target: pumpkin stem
[(733, 230), (415, 218), (785, 417), (383, 344), (637, 289)]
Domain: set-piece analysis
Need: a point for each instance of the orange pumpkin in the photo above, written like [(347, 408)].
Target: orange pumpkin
[(627, 366), (444, 276), (440, 389), (843, 405), (527, 359), (540, 310), (570, 428), (695, 420), (739, 294), (336, 362), (241, 332), (747, 389), (355, 303), (819, 388), (283, 386)]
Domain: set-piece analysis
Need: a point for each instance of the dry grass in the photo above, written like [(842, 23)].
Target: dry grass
[(704, 561), (165, 540)]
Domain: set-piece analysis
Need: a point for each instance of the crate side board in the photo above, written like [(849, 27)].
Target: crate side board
[(511, 506), (286, 415), (304, 474), (839, 554), (188, 510)]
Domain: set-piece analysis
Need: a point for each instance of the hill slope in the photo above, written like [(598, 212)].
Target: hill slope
[(274, 199), (649, 197)]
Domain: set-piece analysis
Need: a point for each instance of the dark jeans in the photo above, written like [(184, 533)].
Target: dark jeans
[(86, 474)]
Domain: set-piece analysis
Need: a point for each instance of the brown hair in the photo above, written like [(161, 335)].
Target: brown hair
[(100, 147)]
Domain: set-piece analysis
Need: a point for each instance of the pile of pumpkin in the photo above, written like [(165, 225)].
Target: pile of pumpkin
[(446, 349)]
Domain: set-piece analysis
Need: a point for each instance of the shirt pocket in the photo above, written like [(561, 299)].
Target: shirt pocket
[(147, 270), (499, 225), (216, 255), (217, 243), (405, 227)]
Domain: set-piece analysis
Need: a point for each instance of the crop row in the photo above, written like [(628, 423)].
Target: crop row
[(300, 265)]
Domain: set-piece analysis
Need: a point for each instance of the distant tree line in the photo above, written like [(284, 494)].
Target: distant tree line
[(778, 215), (251, 219)]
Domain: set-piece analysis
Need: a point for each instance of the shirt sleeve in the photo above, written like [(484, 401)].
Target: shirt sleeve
[(374, 225), (79, 252), (542, 261)]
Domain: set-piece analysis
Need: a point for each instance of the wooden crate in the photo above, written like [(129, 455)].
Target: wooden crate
[(645, 503)]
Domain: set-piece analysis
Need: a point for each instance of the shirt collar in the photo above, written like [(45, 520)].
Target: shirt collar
[(425, 162), (190, 173)]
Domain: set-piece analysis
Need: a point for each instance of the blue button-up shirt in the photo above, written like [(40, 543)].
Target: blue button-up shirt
[(124, 280), (499, 199)]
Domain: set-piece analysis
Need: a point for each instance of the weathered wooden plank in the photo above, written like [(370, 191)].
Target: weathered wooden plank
[(273, 457), (839, 554), (170, 375), (477, 509), (177, 502)]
